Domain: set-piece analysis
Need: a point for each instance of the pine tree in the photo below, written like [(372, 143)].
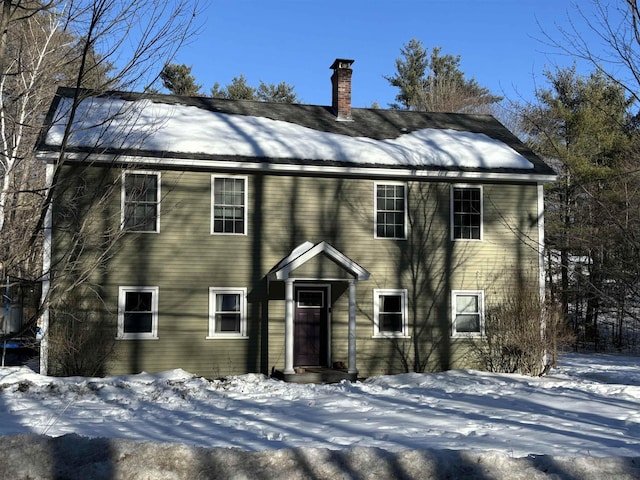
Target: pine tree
[(410, 77), (582, 124), (435, 82), (178, 80), (280, 93), (239, 89)]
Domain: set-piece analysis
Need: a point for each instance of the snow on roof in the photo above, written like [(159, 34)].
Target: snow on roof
[(182, 129)]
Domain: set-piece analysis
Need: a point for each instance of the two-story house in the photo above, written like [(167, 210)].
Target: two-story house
[(226, 237)]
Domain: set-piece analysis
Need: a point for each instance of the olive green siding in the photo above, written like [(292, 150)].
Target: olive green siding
[(184, 260)]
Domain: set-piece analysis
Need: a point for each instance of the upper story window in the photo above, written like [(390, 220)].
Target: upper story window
[(390, 313), (390, 210), (138, 312), (467, 308), (229, 205), (227, 312), (141, 201), (466, 213)]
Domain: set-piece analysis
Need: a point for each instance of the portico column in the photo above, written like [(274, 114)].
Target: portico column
[(288, 327), (352, 327)]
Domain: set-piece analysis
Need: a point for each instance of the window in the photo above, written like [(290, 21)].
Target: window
[(229, 202), (310, 299), (227, 312), (390, 313), (466, 213), (468, 313), (390, 211), (141, 201), (138, 312)]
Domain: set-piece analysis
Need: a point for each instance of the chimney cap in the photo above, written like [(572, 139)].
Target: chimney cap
[(341, 63)]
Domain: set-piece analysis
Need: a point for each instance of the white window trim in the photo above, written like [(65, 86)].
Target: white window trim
[(153, 335), (451, 213), (375, 210), (377, 333), (213, 291), (123, 197), (480, 295), (246, 202)]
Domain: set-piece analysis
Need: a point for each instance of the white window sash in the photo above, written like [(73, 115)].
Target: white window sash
[(377, 331), (452, 212), (454, 312), (245, 205), (375, 209), (123, 200), (213, 293), (122, 296)]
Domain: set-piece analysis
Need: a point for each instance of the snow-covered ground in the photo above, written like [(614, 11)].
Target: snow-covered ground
[(581, 421)]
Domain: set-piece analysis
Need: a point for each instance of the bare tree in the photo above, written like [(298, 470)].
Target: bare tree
[(615, 52), (523, 334), (99, 45)]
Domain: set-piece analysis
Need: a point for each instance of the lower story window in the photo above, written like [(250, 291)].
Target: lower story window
[(468, 313), (227, 312), (138, 312), (390, 313)]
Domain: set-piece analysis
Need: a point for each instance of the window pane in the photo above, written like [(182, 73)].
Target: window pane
[(138, 301), (390, 313), (141, 202), (140, 186), (390, 211), (138, 322), (391, 322), (310, 299), (390, 303), (228, 302), (228, 208), (228, 322), (218, 191), (468, 323), (467, 213), (467, 304)]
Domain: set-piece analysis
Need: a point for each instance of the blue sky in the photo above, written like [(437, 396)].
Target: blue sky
[(499, 41)]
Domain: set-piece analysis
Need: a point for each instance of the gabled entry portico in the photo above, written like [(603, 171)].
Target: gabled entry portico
[(307, 272)]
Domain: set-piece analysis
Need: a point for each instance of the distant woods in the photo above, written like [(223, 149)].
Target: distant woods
[(427, 81), (178, 80)]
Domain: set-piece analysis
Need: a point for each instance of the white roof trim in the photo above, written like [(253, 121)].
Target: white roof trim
[(306, 251), (421, 174)]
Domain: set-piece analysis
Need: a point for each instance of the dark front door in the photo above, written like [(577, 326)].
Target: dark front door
[(310, 327)]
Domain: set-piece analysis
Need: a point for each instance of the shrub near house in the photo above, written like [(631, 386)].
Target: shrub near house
[(225, 237)]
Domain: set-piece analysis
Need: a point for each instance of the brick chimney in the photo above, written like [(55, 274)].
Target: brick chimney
[(341, 82)]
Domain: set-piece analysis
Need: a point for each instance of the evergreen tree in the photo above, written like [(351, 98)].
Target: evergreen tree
[(239, 89), (411, 76), (178, 80), (582, 124), (435, 82), (280, 93)]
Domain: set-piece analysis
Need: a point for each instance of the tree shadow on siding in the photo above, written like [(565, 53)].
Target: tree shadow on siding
[(86, 234)]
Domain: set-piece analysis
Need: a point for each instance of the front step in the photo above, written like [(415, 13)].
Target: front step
[(315, 375)]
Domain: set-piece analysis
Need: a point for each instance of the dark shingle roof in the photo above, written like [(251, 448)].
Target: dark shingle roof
[(376, 124)]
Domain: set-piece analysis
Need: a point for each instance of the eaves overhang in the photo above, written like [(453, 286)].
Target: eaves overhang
[(300, 167)]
